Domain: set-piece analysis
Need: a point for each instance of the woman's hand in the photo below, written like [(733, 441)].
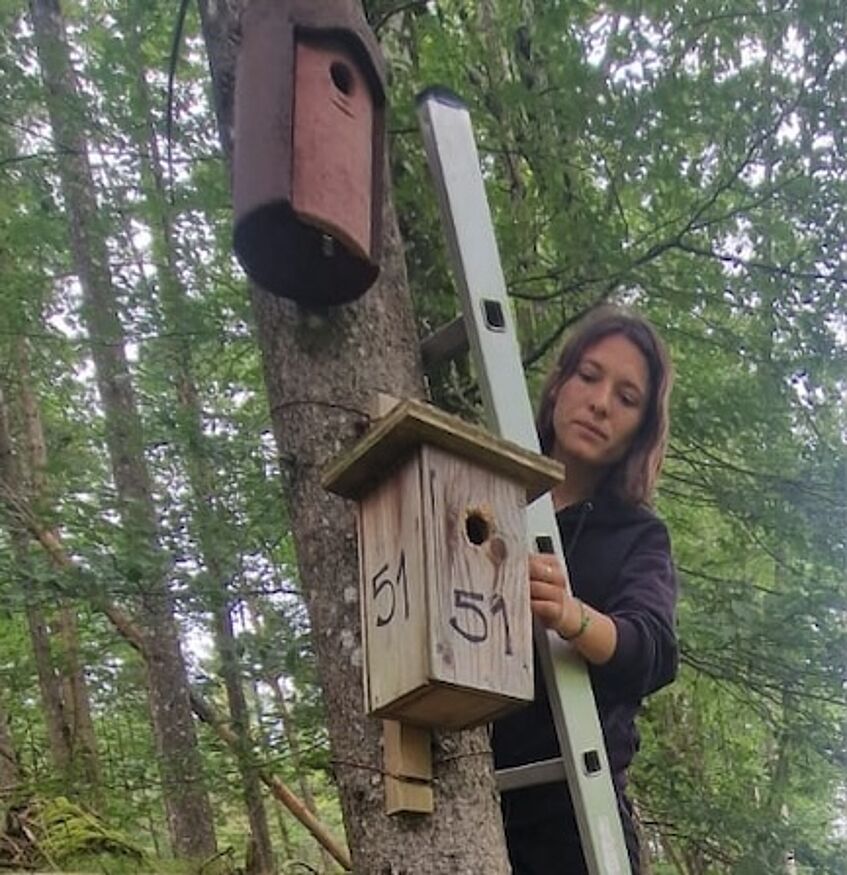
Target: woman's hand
[(549, 599), (595, 635)]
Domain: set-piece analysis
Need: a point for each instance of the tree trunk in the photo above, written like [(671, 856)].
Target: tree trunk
[(322, 371), (266, 744), (10, 772), (290, 732), (49, 686), (76, 711), (210, 520), (76, 698), (186, 802)]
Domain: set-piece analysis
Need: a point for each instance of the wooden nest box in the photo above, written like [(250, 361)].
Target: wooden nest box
[(309, 150), (446, 626)]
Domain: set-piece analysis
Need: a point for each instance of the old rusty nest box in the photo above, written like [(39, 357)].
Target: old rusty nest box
[(309, 150)]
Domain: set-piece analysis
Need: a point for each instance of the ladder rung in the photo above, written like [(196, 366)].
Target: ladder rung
[(444, 344), (530, 775)]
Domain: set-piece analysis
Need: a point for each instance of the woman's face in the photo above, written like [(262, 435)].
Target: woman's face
[(600, 407)]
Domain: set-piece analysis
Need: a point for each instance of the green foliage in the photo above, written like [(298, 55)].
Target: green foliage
[(66, 833), (114, 44), (688, 159), (57, 833)]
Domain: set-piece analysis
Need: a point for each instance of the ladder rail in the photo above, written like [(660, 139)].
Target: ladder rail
[(455, 168)]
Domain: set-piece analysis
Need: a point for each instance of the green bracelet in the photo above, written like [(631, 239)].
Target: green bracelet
[(585, 621)]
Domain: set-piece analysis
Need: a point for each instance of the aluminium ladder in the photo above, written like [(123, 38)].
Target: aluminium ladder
[(455, 168)]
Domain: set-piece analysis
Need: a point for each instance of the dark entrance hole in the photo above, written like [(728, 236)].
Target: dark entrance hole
[(476, 528), (342, 77)]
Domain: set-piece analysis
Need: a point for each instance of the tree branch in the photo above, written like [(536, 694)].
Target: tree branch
[(396, 10)]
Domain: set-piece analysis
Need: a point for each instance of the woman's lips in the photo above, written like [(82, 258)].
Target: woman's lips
[(591, 429)]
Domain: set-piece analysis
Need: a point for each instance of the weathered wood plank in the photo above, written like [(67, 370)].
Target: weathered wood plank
[(408, 796), (412, 423), (393, 587), (480, 633), (407, 750)]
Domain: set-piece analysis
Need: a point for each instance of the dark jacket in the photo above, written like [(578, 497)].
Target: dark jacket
[(619, 561)]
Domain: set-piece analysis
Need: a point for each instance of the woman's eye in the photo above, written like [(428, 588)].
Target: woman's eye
[(587, 376), (629, 400)]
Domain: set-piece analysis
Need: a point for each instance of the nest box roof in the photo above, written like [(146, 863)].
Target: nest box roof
[(412, 423)]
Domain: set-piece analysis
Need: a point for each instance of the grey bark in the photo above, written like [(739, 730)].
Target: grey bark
[(186, 802), (303, 785), (76, 698), (321, 371)]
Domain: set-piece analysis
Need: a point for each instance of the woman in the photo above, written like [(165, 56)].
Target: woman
[(604, 413)]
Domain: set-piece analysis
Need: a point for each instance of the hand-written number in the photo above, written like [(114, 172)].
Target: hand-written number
[(465, 600), (381, 580), (498, 606), (470, 601)]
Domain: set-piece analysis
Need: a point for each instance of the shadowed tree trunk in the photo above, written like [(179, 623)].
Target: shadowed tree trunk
[(49, 685), (186, 802), (76, 698), (10, 772), (73, 692), (321, 371)]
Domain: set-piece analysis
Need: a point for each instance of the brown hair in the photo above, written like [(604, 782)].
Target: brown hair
[(634, 477)]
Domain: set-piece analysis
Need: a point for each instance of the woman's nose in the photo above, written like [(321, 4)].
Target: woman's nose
[(599, 402)]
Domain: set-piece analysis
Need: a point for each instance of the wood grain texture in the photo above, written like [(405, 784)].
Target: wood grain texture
[(407, 750), (439, 706), (411, 423), (408, 796), (447, 633), (481, 630), (393, 586)]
